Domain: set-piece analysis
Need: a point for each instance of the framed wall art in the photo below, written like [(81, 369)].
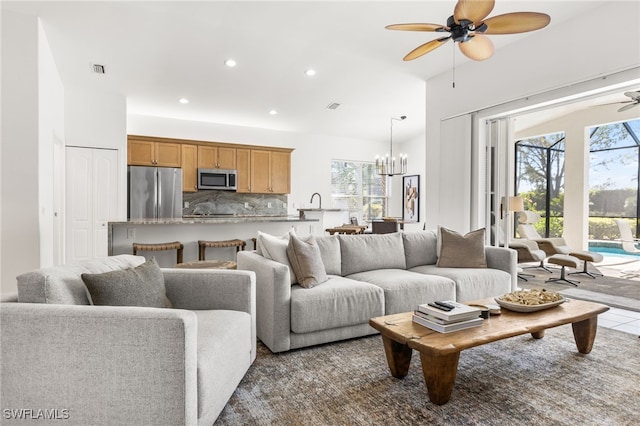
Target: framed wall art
[(410, 198)]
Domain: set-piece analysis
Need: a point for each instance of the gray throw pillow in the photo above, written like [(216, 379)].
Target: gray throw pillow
[(461, 251), (139, 286), (306, 261)]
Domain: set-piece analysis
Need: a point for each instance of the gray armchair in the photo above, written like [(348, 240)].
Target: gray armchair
[(104, 365)]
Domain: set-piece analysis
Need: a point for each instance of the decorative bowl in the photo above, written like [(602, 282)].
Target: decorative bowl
[(517, 307)]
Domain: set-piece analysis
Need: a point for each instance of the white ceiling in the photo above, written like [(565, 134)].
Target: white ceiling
[(158, 52)]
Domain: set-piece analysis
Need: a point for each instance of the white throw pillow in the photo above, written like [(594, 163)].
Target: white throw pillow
[(275, 248)]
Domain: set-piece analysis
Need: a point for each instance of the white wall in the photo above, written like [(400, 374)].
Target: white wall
[(415, 150), (550, 58), (39, 114), (50, 138), (310, 161), (20, 239)]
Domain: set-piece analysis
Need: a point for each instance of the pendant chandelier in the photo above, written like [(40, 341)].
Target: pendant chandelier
[(387, 165)]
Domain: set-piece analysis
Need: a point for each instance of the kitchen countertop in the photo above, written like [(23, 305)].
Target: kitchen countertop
[(213, 220), (320, 210)]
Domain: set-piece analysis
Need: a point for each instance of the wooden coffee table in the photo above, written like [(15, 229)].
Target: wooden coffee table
[(439, 353)]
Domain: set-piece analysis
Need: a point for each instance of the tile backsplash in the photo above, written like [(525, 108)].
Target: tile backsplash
[(230, 202)]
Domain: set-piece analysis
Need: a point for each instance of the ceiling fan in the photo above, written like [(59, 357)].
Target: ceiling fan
[(635, 100), (467, 27)]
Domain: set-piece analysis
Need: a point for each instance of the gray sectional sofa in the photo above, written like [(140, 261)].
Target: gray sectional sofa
[(369, 276), (99, 365)]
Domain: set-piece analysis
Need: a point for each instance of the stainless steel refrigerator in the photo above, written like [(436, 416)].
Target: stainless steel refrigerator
[(155, 193)]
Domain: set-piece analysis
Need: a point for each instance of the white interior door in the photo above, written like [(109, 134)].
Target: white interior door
[(91, 189)]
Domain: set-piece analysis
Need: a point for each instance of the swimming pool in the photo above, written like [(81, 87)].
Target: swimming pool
[(609, 247)]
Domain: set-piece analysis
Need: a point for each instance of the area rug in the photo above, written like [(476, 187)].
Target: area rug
[(518, 381)]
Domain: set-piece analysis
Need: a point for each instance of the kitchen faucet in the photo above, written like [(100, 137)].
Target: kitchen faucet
[(319, 196)]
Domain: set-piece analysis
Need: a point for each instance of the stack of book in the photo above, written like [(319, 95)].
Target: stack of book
[(447, 316)]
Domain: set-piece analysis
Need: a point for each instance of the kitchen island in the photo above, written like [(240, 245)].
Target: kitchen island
[(189, 230)]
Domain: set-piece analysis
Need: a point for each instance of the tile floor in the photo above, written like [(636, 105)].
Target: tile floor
[(616, 318), (621, 319)]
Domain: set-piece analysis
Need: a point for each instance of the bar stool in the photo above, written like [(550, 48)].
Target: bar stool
[(176, 245), (202, 246)]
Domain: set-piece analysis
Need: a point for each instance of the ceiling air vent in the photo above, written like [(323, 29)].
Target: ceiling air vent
[(333, 105), (97, 68)]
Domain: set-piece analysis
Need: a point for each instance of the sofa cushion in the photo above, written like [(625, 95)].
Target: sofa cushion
[(372, 251), (472, 283), (63, 284), (305, 259), (142, 285), (461, 251), (420, 248), (275, 248), (404, 290), (330, 252), (339, 302), (224, 356)]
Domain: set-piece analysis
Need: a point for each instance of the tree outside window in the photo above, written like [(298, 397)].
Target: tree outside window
[(356, 187), (540, 180)]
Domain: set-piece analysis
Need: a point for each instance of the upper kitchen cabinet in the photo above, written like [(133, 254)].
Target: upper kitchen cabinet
[(144, 152), (261, 169), (270, 171), (189, 168), (216, 157), (243, 166)]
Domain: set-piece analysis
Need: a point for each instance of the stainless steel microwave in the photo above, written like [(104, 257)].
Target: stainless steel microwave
[(218, 179)]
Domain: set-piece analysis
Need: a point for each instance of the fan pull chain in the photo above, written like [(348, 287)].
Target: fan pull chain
[(454, 65)]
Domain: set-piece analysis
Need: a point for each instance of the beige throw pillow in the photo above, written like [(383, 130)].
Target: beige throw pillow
[(275, 248), (461, 251), (306, 261)]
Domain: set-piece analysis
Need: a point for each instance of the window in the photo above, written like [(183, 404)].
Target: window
[(614, 170), (356, 187), (540, 180)]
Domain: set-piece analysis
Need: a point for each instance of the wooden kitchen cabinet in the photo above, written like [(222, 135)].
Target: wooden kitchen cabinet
[(270, 172), (146, 153), (243, 165), (149, 153), (281, 172), (261, 169), (189, 168), (216, 157)]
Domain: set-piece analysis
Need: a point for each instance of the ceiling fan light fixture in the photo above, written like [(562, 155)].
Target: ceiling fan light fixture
[(469, 24)]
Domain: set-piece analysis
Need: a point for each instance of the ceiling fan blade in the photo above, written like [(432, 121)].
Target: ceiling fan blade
[(626, 107), (516, 22), (633, 95), (417, 27), (611, 103), (472, 10), (477, 48), (425, 48)]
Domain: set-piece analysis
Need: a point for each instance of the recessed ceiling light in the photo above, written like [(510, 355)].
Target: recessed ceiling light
[(273, 112), (310, 72), (183, 100), (230, 63)]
